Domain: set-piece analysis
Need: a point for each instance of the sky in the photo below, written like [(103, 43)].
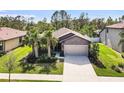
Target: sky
[(40, 14)]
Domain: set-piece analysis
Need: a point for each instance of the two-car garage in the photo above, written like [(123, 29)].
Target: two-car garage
[(79, 50), (76, 46)]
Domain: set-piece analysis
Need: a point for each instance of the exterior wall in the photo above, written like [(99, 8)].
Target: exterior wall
[(112, 38), (80, 50), (95, 39), (102, 36), (11, 44), (76, 41)]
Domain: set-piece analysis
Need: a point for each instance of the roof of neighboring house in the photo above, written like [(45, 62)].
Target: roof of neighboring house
[(65, 31), (117, 25), (9, 33)]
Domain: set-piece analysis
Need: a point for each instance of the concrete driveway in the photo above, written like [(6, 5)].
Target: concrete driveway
[(77, 69)]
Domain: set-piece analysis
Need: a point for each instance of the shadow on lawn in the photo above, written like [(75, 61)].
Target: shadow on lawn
[(27, 67), (47, 67), (44, 68)]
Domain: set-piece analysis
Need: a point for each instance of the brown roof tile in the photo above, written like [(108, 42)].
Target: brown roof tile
[(9, 33), (118, 25), (64, 31)]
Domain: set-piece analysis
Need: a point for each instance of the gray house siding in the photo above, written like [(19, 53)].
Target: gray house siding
[(112, 38), (65, 37), (76, 41)]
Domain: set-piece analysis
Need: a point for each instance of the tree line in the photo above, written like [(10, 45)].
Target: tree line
[(82, 24)]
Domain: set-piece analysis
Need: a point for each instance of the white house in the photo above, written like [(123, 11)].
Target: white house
[(111, 36)]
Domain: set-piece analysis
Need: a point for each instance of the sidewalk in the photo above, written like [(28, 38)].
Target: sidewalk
[(32, 77)]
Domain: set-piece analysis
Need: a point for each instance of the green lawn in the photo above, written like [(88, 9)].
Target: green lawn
[(5, 80), (108, 57), (18, 53), (21, 67)]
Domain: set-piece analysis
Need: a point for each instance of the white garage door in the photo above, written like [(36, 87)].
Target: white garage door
[(81, 50)]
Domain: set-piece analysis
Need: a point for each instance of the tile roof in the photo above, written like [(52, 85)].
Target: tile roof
[(9, 33), (64, 31), (118, 25), (61, 32)]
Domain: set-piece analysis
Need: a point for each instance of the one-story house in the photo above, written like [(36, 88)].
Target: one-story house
[(10, 38), (111, 36), (72, 42)]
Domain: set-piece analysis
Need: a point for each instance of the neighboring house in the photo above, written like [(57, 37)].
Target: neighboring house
[(71, 42), (110, 36), (10, 38)]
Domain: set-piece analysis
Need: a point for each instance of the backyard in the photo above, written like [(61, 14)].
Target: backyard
[(22, 67), (108, 57)]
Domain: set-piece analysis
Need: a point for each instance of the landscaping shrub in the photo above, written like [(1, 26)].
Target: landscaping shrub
[(122, 55), (93, 55), (94, 52), (121, 65), (53, 54), (99, 64), (2, 53), (46, 59), (42, 51), (43, 58), (62, 54), (61, 60), (30, 58), (116, 68)]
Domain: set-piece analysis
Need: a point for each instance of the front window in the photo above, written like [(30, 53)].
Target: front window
[(20, 40), (1, 45)]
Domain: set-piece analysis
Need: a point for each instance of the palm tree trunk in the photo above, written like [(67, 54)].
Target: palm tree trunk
[(36, 50), (33, 49), (49, 49)]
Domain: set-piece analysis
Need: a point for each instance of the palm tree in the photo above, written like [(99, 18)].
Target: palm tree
[(51, 41), (32, 39)]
